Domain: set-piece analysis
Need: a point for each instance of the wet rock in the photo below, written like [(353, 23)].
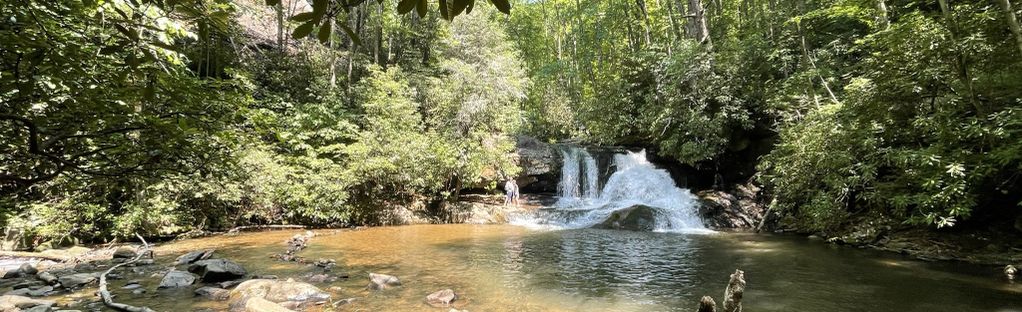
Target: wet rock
[(125, 252), (27, 284), (217, 270), (294, 245), (288, 293), (259, 305), (41, 291), (634, 218), (14, 303), (382, 281), (322, 278), (131, 286), (213, 293), (176, 278), (85, 266), (26, 269), (18, 292), (343, 302), (228, 284), (441, 298), (47, 277), (193, 256), (76, 280), (326, 264), (272, 277)]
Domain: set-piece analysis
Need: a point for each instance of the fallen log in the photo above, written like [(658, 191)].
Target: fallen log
[(238, 229), (108, 300)]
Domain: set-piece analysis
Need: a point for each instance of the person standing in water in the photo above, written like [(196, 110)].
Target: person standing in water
[(511, 191)]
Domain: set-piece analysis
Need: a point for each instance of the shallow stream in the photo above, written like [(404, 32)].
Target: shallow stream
[(511, 268)]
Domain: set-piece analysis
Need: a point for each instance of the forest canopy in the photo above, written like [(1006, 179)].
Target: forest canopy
[(162, 117)]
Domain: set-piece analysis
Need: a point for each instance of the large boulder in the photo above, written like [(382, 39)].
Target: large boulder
[(634, 218), (175, 279), (738, 208), (382, 281), (76, 280), (540, 163), (18, 303), (287, 293), (217, 270), (125, 252)]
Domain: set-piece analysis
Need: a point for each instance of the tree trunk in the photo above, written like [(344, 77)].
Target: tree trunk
[(1009, 13), (333, 57), (697, 15), (885, 23), (960, 61), (280, 25), (676, 30), (644, 15), (378, 48)]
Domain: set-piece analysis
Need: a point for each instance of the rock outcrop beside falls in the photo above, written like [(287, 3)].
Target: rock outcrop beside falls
[(740, 207), (540, 163)]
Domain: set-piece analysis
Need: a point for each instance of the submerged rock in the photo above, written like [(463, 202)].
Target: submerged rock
[(634, 218), (213, 293), (441, 298), (284, 293), (76, 280), (175, 278), (382, 281), (259, 305), (217, 270)]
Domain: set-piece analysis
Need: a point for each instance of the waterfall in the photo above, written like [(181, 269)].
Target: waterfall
[(579, 177), (635, 181)]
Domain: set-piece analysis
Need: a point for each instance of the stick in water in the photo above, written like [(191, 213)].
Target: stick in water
[(108, 300)]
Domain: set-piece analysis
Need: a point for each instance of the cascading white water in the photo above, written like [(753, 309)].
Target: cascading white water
[(636, 181), (579, 178)]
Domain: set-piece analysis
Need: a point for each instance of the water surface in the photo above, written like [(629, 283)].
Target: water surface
[(509, 268)]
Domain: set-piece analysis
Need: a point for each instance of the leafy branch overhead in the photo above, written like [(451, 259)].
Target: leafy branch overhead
[(323, 12)]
